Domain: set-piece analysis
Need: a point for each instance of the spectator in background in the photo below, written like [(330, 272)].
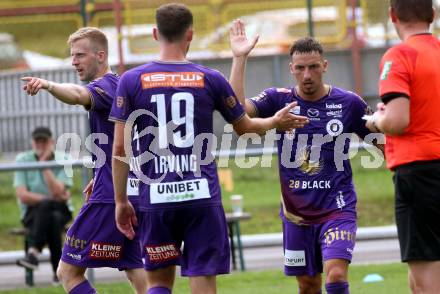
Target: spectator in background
[(409, 88), (44, 201)]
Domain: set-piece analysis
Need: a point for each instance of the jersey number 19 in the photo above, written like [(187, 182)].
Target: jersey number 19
[(177, 119)]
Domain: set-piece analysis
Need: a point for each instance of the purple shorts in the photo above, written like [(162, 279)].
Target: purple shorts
[(93, 240), (204, 232), (306, 247)]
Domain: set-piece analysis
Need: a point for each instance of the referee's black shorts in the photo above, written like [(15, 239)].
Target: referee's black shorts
[(417, 187)]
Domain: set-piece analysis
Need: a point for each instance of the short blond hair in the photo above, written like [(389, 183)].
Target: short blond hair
[(96, 36)]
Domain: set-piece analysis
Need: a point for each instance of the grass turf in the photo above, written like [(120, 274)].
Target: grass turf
[(267, 282)]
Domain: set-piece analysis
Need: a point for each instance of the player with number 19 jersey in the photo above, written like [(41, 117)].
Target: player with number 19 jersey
[(176, 163), (180, 199)]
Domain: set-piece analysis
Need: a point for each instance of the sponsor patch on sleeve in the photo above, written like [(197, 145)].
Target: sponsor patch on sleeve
[(100, 91), (119, 101), (231, 101), (386, 70)]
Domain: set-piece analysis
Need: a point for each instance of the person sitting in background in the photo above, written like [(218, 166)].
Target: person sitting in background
[(44, 200)]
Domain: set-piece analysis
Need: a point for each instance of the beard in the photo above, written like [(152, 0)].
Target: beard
[(309, 89)]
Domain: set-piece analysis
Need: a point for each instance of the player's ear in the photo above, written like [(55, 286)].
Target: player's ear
[(155, 34), (102, 56), (393, 15), (291, 67), (325, 65), (189, 34)]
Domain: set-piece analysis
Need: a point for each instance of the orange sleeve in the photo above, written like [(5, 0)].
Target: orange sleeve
[(395, 73)]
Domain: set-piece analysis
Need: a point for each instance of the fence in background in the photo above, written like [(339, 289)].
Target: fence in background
[(278, 21), (20, 113)]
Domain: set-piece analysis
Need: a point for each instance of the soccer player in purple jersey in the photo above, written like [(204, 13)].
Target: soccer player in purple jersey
[(173, 101), (93, 239), (318, 208)]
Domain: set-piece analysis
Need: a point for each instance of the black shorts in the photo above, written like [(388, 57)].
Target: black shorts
[(417, 207)]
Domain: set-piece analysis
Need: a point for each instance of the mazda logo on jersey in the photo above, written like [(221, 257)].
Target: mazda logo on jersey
[(312, 112)]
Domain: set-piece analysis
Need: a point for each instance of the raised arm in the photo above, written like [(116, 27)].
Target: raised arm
[(241, 47), (65, 92)]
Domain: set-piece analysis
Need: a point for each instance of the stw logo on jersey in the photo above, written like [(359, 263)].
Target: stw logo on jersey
[(173, 79)]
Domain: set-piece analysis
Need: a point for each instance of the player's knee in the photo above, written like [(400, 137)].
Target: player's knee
[(61, 273), (67, 273), (336, 275)]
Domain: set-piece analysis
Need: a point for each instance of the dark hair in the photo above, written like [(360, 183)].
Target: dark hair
[(306, 45), (413, 10), (173, 20)]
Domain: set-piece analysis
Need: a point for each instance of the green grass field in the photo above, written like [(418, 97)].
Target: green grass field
[(268, 282), (261, 193)]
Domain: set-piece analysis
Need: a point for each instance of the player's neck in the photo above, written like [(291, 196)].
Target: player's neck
[(102, 72), (406, 30), (318, 95), (172, 52)]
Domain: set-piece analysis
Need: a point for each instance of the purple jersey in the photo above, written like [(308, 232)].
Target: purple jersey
[(102, 93), (316, 182), (174, 105)]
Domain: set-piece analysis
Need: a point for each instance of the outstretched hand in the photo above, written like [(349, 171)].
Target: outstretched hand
[(33, 85), (371, 122), (285, 120), (240, 45)]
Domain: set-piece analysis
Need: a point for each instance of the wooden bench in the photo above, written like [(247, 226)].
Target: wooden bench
[(233, 221)]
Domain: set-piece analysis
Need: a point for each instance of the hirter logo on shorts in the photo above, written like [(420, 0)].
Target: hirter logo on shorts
[(105, 251), (161, 253)]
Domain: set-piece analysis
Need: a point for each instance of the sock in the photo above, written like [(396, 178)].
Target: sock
[(159, 290), (83, 288), (337, 288)]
